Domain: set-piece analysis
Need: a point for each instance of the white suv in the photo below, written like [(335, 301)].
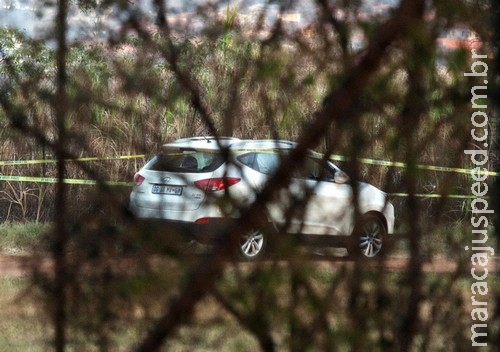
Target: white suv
[(201, 181)]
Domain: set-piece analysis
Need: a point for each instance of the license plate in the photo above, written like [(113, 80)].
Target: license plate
[(163, 189)]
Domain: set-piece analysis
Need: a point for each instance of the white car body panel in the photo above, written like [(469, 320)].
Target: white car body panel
[(329, 209)]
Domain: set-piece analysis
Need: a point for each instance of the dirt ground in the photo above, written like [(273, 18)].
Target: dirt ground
[(20, 265)]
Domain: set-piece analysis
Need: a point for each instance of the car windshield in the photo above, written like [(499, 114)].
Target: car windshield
[(185, 161)]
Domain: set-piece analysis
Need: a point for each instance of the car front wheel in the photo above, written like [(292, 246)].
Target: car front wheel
[(371, 234), (252, 244)]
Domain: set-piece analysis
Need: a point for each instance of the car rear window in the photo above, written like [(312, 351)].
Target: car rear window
[(182, 161)]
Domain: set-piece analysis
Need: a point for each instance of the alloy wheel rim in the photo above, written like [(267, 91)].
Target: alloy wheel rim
[(371, 239), (252, 243)]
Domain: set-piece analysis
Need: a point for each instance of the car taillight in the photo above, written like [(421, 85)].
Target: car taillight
[(203, 221), (138, 179), (216, 184)]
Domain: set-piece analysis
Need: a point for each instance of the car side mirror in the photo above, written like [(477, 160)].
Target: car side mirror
[(341, 177)]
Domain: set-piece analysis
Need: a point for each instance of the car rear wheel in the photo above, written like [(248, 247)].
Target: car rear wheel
[(371, 235), (252, 244)]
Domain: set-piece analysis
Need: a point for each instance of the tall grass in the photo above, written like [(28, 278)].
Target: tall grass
[(130, 102), (130, 98), (16, 237)]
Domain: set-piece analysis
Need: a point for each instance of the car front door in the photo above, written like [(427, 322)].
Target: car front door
[(327, 205), (313, 203)]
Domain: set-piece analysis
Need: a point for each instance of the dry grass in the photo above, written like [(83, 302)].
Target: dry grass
[(22, 329), (214, 328)]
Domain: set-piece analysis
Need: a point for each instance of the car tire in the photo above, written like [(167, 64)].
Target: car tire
[(370, 236), (253, 244)]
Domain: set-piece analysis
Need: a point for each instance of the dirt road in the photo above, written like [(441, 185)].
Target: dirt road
[(19, 265)]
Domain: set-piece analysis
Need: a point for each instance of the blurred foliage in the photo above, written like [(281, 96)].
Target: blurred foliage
[(156, 78)]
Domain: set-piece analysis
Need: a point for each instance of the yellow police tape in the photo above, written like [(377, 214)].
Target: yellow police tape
[(53, 161), (418, 166), (73, 181), (334, 157), (432, 195)]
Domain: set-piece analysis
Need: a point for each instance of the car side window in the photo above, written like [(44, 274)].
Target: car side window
[(266, 163), (247, 160)]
